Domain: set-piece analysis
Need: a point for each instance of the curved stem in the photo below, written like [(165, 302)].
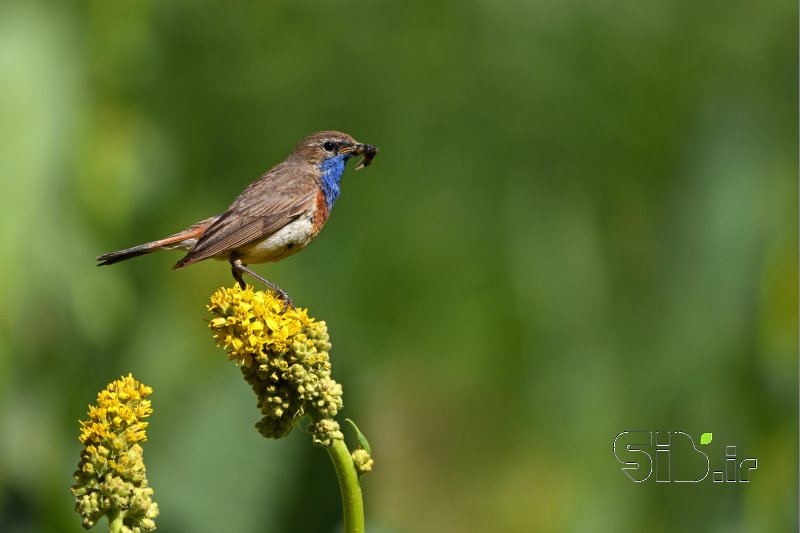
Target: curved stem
[(115, 521), (352, 504)]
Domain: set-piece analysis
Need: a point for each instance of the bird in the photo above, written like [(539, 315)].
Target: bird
[(276, 216)]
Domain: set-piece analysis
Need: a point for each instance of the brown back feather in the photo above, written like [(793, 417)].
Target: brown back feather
[(264, 207)]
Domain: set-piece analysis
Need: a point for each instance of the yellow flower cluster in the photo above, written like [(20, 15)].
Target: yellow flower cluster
[(284, 358), (120, 410), (249, 322), (111, 478)]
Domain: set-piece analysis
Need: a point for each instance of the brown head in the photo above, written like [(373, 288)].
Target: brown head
[(323, 145)]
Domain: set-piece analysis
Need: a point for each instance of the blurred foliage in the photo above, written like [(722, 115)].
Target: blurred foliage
[(583, 220)]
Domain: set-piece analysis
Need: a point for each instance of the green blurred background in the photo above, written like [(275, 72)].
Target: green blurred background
[(583, 220)]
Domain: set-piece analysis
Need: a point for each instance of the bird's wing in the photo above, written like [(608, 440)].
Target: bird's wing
[(263, 208)]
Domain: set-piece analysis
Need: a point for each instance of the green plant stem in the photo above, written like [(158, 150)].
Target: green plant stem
[(115, 521), (352, 503)]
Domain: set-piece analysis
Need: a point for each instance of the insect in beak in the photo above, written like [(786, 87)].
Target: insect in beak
[(367, 150)]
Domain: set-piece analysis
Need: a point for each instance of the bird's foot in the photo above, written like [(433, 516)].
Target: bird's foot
[(287, 301), (237, 268)]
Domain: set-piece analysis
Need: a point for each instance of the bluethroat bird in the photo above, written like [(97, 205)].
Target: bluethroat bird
[(274, 217)]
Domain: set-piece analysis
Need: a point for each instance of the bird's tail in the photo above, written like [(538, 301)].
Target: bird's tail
[(184, 240)]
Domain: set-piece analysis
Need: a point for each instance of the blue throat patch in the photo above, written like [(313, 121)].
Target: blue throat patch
[(332, 170)]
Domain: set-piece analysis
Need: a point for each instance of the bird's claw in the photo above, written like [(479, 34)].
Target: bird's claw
[(287, 301), (238, 268)]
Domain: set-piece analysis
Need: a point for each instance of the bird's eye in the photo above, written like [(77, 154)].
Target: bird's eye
[(329, 146)]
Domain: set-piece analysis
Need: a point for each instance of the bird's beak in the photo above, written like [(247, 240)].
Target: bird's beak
[(367, 150)]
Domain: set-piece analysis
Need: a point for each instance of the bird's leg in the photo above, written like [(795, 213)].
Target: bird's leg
[(238, 268), (237, 275)]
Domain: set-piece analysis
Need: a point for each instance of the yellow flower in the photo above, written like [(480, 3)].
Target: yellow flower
[(111, 479), (283, 356), (120, 409)]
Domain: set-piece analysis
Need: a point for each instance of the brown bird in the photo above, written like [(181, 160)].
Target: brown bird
[(274, 217)]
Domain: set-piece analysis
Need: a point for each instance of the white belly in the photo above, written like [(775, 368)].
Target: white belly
[(288, 240)]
